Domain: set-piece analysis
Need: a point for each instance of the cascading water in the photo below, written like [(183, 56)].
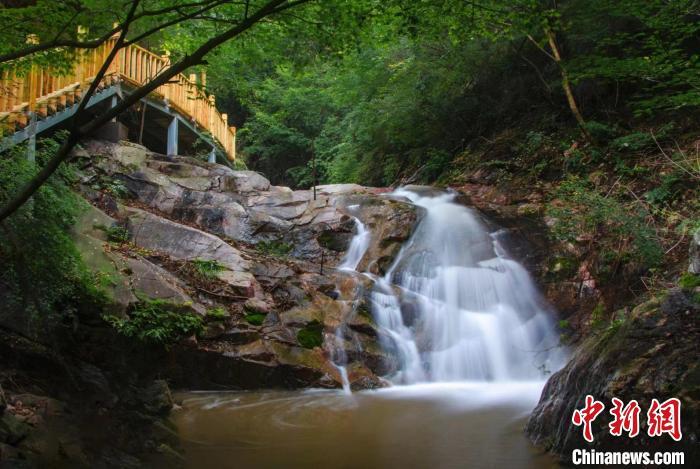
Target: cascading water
[(463, 311), (358, 246), (466, 322)]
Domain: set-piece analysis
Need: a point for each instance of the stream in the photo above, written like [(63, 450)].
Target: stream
[(474, 354)]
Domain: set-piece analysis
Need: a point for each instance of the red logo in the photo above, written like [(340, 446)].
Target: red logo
[(665, 418), (587, 415), (626, 418), (662, 418)]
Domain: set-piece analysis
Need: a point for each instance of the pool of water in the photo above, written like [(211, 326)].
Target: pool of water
[(445, 425)]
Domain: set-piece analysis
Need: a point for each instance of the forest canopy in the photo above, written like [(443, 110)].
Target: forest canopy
[(380, 92)]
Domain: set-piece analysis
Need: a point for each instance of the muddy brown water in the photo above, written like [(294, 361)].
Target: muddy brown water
[(455, 425)]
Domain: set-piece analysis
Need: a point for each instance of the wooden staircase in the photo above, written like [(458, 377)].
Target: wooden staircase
[(44, 92)]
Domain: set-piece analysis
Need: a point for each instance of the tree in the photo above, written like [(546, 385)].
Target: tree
[(539, 21), (236, 18)]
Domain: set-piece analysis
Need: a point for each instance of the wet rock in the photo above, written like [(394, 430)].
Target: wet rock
[(214, 330), (652, 353), (95, 384), (256, 305), (335, 240), (12, 431), (282, 301), (239, 336), (157, 399), (694, 266)]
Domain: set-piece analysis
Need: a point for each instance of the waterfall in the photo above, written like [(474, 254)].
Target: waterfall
[(358, 246), (457, 308)]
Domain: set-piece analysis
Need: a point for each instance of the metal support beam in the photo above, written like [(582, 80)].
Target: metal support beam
[(172, 137), (212, 155)]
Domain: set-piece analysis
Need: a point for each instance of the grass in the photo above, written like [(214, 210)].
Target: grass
[(274, 248), (207, 268), (115, 233), (688, 281)]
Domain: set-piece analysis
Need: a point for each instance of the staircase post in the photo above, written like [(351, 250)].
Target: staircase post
[(31, 143), (172, 137), (212, 155)]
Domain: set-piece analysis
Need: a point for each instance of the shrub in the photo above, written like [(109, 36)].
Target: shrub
[(157, 322), (42, 271), (274, 248), (115, 233), (582, 211)]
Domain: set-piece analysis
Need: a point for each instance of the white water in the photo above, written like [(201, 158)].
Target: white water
[(358, 247), (473, 339), (469, 312)]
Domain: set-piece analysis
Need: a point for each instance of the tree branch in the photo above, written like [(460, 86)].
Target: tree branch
[(95, 43), (197, 57)]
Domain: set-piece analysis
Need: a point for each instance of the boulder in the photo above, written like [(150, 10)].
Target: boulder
[(242, 182), (652, 353), (182, 242), (127, 279)]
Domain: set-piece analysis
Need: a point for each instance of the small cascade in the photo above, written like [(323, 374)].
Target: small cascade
[(457, 308), (339, 357), (358, 247)]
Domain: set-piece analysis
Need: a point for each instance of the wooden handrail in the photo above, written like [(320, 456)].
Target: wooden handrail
[(41, 91)]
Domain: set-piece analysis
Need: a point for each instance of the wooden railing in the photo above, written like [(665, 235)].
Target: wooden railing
[(44, 91)]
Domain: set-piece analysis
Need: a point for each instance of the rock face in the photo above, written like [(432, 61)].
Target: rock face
[(694, 266), (206, 237), (653, 353)]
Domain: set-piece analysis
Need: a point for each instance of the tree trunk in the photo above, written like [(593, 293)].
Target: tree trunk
[(566, 84)]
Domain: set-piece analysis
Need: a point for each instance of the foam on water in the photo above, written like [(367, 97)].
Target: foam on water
[(465, 311)]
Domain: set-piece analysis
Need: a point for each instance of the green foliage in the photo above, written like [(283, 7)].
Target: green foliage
[(255, 319), (689, 280), (666, 191), (207, 269), (562, 267), (598, 316), (157, 322), (413, 87), (648, 45), (311, 336), (274, 248), (115, 233), (217, 314), (564, 324), (42, 271), (582, 212)]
